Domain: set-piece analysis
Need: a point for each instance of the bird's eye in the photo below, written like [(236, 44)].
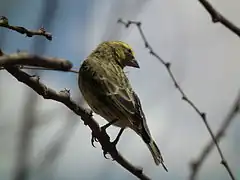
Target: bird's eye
[(130, 51)]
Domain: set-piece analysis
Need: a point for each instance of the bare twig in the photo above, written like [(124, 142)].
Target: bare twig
[(29, 33), (167, 65), (64, 97), (196, 164), (34, 60), (217, 17)]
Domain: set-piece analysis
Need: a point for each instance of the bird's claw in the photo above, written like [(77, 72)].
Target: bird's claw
[(105, 153), (105, 135), (93, 139)]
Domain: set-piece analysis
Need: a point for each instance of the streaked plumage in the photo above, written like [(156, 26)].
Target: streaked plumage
[(108, 92)]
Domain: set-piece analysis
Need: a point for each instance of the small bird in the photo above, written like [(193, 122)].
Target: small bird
[(107, 90)]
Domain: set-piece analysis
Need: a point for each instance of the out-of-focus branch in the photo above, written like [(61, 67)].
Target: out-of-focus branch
[(34, 60), (167, 65), (29, 33), (64, 97), (196, 164), (217, 17), (24, 148), (22, 171), (55, 147)]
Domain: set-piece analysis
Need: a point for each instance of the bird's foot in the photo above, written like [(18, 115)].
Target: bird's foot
[(104, 127), (105, 153), (113, 144), (103, 131), (118, 137), (93, 139)]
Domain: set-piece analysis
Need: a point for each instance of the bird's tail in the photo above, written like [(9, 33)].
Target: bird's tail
[(155, 152), (152, 146)]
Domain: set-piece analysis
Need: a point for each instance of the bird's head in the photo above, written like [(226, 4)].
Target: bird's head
[(123, 52)]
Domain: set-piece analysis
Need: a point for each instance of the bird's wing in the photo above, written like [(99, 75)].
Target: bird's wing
[(139, 115), (122, 97), (119, 93)]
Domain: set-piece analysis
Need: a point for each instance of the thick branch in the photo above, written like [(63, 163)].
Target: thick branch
[(167, 65), (196, 165), (29, 33), (34, 60), (217, 17), (64, 97)]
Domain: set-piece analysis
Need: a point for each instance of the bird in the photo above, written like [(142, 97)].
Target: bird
[(108, 92)]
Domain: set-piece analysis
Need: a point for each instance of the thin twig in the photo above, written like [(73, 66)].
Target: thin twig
[(217, 17), (167, 65), (64, 97), (196, 164), (23, 58), (29, 33)]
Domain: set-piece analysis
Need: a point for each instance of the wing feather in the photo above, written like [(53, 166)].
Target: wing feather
[(119, 94)]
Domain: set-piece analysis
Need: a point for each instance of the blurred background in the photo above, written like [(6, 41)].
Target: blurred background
[(42, 139)]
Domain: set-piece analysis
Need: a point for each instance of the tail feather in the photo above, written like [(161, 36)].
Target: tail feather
[(140, 127), (156, 154)]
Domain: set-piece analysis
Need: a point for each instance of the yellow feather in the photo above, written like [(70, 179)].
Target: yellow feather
[(123, 44)]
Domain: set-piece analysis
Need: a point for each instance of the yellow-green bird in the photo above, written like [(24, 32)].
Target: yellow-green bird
[(108, 92)]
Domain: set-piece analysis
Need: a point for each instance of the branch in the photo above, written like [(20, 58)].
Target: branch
[(34, 60), (217, 17), (29, 33), (64, 98), (167, 65), (195, 165), (43, 69), (47, 69)]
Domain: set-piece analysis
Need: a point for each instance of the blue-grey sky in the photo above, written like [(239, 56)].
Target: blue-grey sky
[(205, 61)]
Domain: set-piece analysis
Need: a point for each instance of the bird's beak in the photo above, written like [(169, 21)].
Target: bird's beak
[(133, 63)]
